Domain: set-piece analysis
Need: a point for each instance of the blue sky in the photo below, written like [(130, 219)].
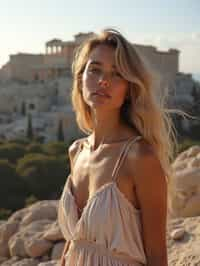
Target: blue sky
[(25, 26)]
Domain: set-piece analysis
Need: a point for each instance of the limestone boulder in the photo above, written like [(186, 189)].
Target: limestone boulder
[(53, 233), (4, 250), (37, 247), (39, 241), (3, 259), (16, 246), (57, 250), (40, 210), (26, 262), (50, 263), (11, 261), (183, 241), (6, 231), (31, 233), (29, 240), (186, 183), (23, 262), (18, 215), (2, 222), (177, 234)]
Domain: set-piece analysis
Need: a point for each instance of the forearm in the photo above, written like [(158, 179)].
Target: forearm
[(157, 261)]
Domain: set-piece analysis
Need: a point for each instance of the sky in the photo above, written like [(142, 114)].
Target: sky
[(25, 25)]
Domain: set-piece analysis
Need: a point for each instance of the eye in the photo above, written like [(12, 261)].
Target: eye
[(94, 70)]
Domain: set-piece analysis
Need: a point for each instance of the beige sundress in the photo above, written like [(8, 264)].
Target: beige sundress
[(109, 230)]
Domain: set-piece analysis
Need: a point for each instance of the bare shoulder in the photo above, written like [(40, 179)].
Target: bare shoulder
[(143, 162), (140, 149), (73, 148)]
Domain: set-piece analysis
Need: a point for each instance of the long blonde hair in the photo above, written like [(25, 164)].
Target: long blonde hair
[(143, 111)]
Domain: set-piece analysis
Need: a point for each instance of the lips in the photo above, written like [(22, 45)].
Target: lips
[(101, 93)]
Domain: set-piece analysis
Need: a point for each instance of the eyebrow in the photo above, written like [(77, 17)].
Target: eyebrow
[(99, 63)]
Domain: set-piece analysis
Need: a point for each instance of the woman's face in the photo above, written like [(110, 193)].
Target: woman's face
[(102, 85)]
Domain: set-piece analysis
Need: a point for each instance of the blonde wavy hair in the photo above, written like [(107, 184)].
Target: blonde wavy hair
[(143, 111)]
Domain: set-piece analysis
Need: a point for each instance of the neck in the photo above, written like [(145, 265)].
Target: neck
[(107, 129)]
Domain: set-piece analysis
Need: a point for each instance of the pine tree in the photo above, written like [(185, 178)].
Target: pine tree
[(29, 127), (196, 101), (60, 134), (23, 108)]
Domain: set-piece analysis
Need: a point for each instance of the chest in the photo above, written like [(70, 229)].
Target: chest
[(93, 170)]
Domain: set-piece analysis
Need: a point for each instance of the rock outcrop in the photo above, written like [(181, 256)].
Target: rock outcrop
[(186, 183), (40, 242), (32, 236), (183, 241)]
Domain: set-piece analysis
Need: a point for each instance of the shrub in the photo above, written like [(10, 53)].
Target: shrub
[(60, 133), (34, 148), (30, 200), (22, 141), (4, 214), (13, 190), (11, 152), (55, 148), (186, 144), (195, 132), (44, 175), (29, 131)]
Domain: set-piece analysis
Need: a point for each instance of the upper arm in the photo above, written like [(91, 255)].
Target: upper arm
[(72, 151), (151, 190)]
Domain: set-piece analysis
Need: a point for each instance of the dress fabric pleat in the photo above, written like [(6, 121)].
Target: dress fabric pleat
[(109, 231)]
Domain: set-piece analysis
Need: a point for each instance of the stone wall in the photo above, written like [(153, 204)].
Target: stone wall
[(21, 65), (58, 58), (5, 72)]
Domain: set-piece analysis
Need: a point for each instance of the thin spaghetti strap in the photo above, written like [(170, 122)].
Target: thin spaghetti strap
[(119, 158), (122, 156)]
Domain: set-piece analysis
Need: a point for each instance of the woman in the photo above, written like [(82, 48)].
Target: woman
[(113, 209)]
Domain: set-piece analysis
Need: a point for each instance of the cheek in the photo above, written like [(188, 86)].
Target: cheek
[(120, 91), (88, 82), (87, 87)]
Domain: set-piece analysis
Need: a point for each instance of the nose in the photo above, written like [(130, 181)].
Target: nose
[(103, 81)]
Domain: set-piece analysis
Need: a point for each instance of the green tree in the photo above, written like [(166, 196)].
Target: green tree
[(196, 101), (13, 190), (12, 151), (45, 175), (23, 108), (186, 144), (34, 148), (60, 133), (4, 214), (29, 127), (55, 148), (22, 141)]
